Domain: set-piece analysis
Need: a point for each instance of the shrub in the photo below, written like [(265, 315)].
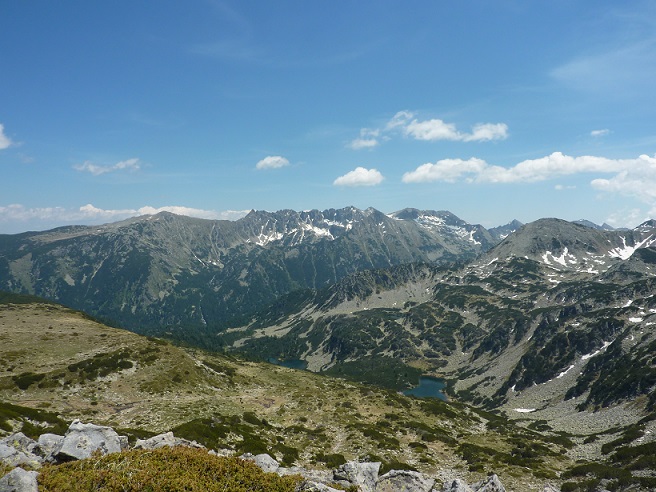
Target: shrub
[(163, 469)]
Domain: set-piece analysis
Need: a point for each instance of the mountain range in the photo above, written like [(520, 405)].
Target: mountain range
[(549, 324), (167, 270)]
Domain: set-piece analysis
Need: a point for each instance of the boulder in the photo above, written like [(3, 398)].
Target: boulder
[(310, 486), (11, 456), (266, 463), (21, 442), (166, 439), (312, 475), (82, 440), (364, 475), (490, 484), (48, 446), (404, 481), (456, 486), (19, 480), (550, 488)]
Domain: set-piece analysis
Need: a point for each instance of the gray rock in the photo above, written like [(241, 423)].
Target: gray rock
[(48, 446), (166, 439), (266, 463), (158, 441), (82, 440), (364, 475), (19, 480), (550, 488), (21, 442), (11, 456), (404, 481), (456, 486), (490, 484), (321, 476), (310, 486)]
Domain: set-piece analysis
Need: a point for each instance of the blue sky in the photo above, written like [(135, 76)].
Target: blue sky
[(491, 110)]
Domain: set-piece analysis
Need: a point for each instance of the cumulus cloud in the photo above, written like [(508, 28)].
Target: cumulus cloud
[(405, 123), (5, 141), (631, 177), (272, 162), (129, 164), (360, 177), (599, 133), (90, 214), (449, 170), (484, 132), (431, 130), (528, 171)]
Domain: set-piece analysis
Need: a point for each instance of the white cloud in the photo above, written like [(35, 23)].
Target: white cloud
[(429, 130), (368, 139), (629, 217), (363, 143), (89, 214), (432, 130), (400, 119), (437, 129), (599, 133), (360, 177), (5, 141), (272, 162), (484, 132), (129, 164), (631, 177), (560, 187), (449, 170)]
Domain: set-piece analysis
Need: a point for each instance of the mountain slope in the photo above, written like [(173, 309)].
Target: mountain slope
[(162, 272), (58, 360), (539, 330)]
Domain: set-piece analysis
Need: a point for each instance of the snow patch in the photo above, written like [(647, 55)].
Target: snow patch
[(625, 252), (604, 347), (562, 374), (525, 410)]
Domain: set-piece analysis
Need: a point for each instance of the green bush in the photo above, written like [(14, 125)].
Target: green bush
[(163, 469), (26, 379)]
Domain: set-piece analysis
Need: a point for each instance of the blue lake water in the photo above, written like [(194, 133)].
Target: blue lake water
[(292, 363), (428, 388)]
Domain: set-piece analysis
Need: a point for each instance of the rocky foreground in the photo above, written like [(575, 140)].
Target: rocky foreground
[(84, 440)]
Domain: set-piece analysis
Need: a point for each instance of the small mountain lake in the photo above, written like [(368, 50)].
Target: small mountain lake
[(428, 387), (291, 363)]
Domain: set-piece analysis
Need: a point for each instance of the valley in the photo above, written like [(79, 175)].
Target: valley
[(543, 334)]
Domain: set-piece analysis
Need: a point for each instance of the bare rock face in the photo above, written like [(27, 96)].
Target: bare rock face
[(263, 461), (48, 446), (456, 486), (404, 481), (19, 480), (162, 440), (364, 475), (82, 440), (19, 449), (490, 484), (310, 486)]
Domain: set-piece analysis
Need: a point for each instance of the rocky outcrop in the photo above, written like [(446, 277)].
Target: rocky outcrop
[(404, 481), (82, 440), (364, 475), (19, 480), (164, 440)]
